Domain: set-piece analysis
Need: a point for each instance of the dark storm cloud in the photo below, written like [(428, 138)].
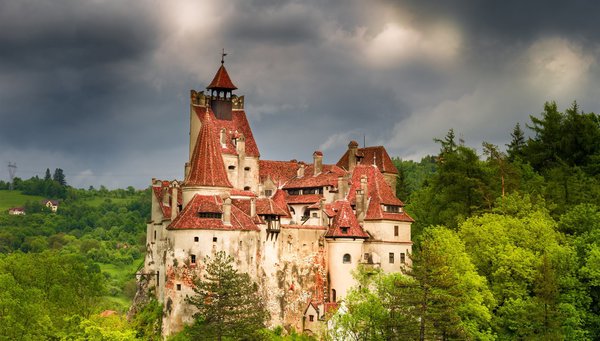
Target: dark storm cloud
[(101, 88), (511, 20), (69, 63)]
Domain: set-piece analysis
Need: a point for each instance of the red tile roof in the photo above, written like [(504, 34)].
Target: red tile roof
[(303, 199), (379, 193), (206, 166), (330, 209), (233, 128), (328, 177), (278, 171), (222, 80), (377, 188), (370, 155), (307, 227), (240, 193), (279, 198), (160, 192), (189, 218), (345, 219), (268, 206)]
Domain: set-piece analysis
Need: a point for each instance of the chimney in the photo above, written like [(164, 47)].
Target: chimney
[(174, 199), (301, 170), (317, 162), (322, 212), (166, 197), (363, 190), (340, 188), (227, 211), (352, 149), (252, 207), (360, 207), (241, 144)]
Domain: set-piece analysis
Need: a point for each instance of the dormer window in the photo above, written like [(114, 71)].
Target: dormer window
[(392, 209), (268, 192), (211, 215), (344, 230)]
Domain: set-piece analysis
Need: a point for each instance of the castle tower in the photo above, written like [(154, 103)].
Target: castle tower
[(345, 240), (220, 93), (207, 170)]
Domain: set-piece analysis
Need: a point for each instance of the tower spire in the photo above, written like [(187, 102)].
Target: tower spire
[(223, 54)]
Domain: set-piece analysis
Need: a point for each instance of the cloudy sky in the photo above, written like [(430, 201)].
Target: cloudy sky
[(101, 88)]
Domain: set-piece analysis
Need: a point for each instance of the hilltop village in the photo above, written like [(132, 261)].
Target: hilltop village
[(298, 229)]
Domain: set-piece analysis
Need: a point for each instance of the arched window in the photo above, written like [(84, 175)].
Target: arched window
[(347, 258), (333, 295)]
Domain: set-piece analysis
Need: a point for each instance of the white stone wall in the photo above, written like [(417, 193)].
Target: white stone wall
[(340, 273)]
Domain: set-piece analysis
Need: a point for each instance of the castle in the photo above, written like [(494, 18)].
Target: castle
[(298, 229)]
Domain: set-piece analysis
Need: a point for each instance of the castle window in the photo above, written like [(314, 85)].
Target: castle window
[(154, 234), (395, 230), (232, 167), (344, 230), (213, 215), (293, 191), (214, 239), (247, 169), (178, 287), (247, 188), (311, 318), (196, 239), (268, 192), (366, 256), (347, 259), (391, 258), (333, 295), (402, 258), (193, 260), (314, 215)]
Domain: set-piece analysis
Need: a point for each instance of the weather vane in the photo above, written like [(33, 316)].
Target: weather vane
[(223, 54)]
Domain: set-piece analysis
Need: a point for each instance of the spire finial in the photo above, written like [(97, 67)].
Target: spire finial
[(223, 54)]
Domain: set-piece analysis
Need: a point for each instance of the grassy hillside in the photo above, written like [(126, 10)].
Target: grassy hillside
[(10, 199)]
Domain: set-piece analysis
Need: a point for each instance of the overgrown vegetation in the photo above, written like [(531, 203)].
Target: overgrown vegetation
[(506, 243)]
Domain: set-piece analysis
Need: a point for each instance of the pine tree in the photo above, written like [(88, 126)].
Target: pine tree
[(228, 302), (47, 177), (59, 177), (515, 147)]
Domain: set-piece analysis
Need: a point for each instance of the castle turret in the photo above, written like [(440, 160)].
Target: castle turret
[(220, 93), (345, 240)]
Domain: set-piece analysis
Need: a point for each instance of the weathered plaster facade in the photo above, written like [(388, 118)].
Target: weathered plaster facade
[(298, 229)]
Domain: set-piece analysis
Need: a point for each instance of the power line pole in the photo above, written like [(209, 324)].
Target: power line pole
[(12, 169)]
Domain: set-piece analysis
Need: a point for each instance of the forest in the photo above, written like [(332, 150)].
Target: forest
[(506, 246)]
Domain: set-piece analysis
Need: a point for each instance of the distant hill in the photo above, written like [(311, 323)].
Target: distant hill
[(10, 199)]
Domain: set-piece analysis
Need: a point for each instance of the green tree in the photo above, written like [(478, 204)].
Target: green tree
[(531, 272), (453, 301), (227, 301), (516, 145), (59, 176), (47, 177)]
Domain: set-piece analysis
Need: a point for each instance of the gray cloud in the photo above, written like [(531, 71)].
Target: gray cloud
[(101, 89)]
